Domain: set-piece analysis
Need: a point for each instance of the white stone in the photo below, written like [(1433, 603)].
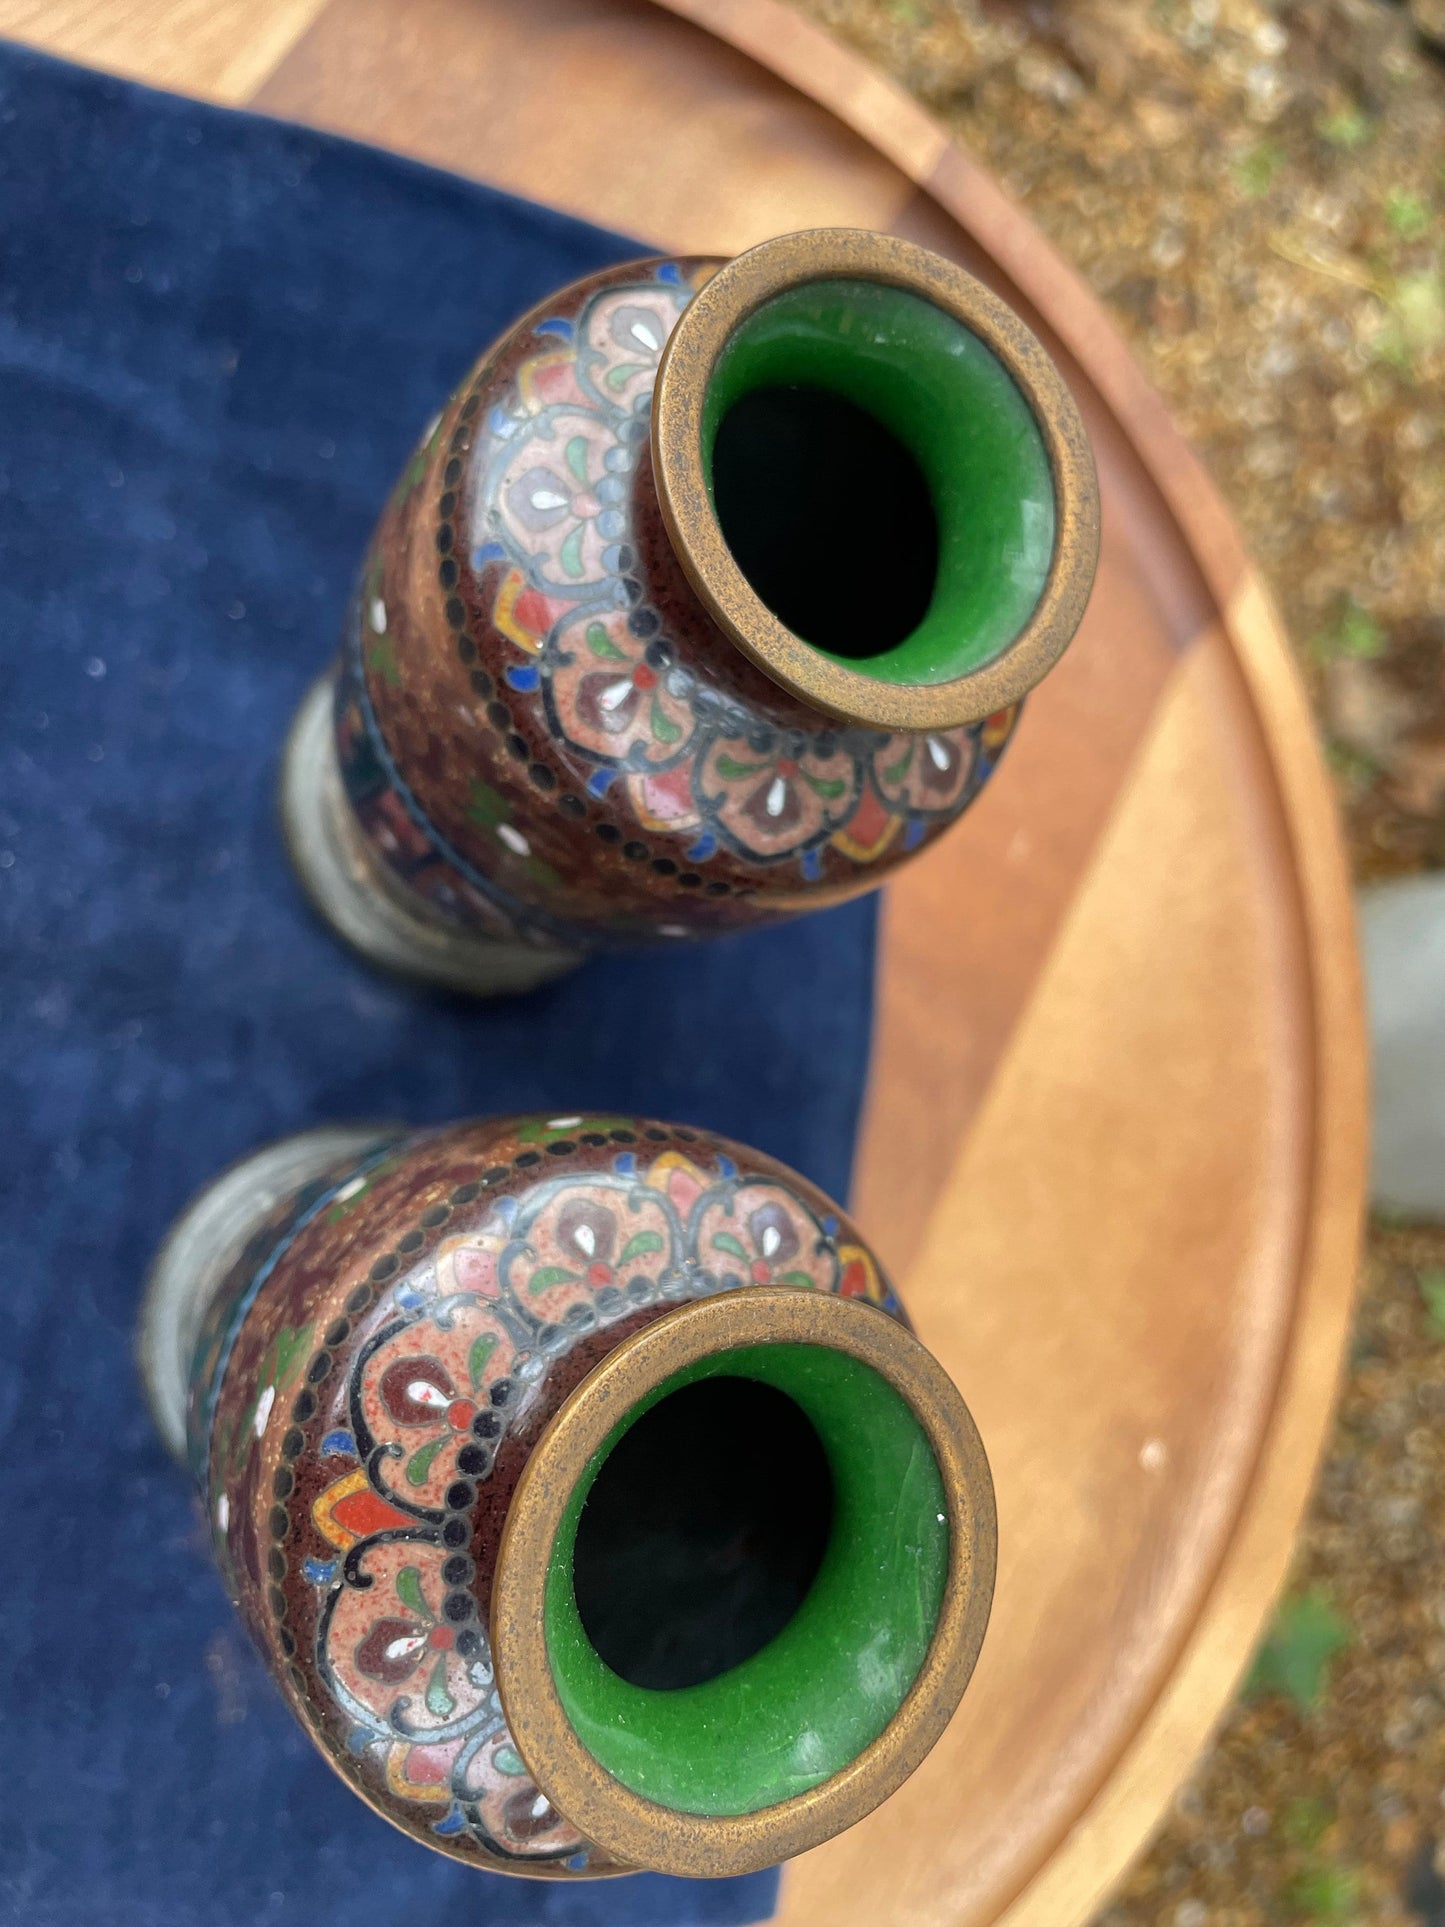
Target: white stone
[(1402, 937)]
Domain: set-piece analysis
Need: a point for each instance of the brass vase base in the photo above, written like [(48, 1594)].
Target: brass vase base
[(359, 898), (207, 1240)]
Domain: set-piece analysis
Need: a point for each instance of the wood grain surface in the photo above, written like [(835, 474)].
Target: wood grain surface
[(1114, 1148), (219, 50)]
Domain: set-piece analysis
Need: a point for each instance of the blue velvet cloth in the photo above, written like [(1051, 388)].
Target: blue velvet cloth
[(219, 338)]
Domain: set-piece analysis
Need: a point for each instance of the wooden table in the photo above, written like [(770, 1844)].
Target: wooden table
[(1114, 1148)]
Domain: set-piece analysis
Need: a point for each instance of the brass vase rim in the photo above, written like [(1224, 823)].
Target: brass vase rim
[(640, 1832), (707, 324)]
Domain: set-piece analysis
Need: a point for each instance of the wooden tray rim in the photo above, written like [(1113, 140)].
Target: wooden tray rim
[(1114, 1827), (1073, 1877)]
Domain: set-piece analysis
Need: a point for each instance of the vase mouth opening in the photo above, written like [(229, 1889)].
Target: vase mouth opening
[(875, 479), (699, 1531), (743, 1580)]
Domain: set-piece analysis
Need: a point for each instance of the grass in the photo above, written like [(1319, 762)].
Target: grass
[(1432, 1290), (1296, 1656), (1255, 171), (1407, 214), (1325, 1893), (1348, 128), (1356, 634)]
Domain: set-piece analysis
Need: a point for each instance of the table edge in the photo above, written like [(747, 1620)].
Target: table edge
[(1070, 1882)]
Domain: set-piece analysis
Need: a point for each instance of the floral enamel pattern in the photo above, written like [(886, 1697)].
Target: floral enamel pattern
[(594, 686), (693, 763), (357, 1467)]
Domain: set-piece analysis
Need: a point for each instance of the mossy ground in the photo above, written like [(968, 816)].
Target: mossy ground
[(1258, 194)]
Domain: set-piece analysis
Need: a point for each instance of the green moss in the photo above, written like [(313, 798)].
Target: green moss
[(1356, 634), (1432, 1290), (1407, 214), (1306, 1821), (1347, 129), (1295, 1657), (1325, 1893), (1255, 171)]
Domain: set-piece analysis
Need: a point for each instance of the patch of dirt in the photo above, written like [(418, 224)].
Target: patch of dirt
[(1258, 194), (1321, 1800)]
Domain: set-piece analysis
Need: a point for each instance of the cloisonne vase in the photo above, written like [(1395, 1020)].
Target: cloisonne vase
[(581, 1482), (710, 596)]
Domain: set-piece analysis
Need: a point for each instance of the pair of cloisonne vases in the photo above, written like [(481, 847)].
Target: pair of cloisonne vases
[(580, 1478)]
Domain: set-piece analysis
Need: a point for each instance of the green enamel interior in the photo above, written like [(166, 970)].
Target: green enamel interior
[(805, 1705), (954, 406)]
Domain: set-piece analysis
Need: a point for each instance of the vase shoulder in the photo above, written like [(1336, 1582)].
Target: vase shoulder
[(383, 1356), (540, 723)]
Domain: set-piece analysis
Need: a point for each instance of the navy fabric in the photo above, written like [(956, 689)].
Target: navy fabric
[(219, 338)]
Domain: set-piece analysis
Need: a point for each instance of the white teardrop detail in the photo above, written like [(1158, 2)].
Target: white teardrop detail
[(421, 1391)]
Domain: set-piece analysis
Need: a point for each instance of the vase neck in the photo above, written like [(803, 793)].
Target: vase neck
[(734, 1649), (874, 480)]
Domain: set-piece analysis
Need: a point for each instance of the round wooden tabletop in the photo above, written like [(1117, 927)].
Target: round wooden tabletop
[(1115, 1141)]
